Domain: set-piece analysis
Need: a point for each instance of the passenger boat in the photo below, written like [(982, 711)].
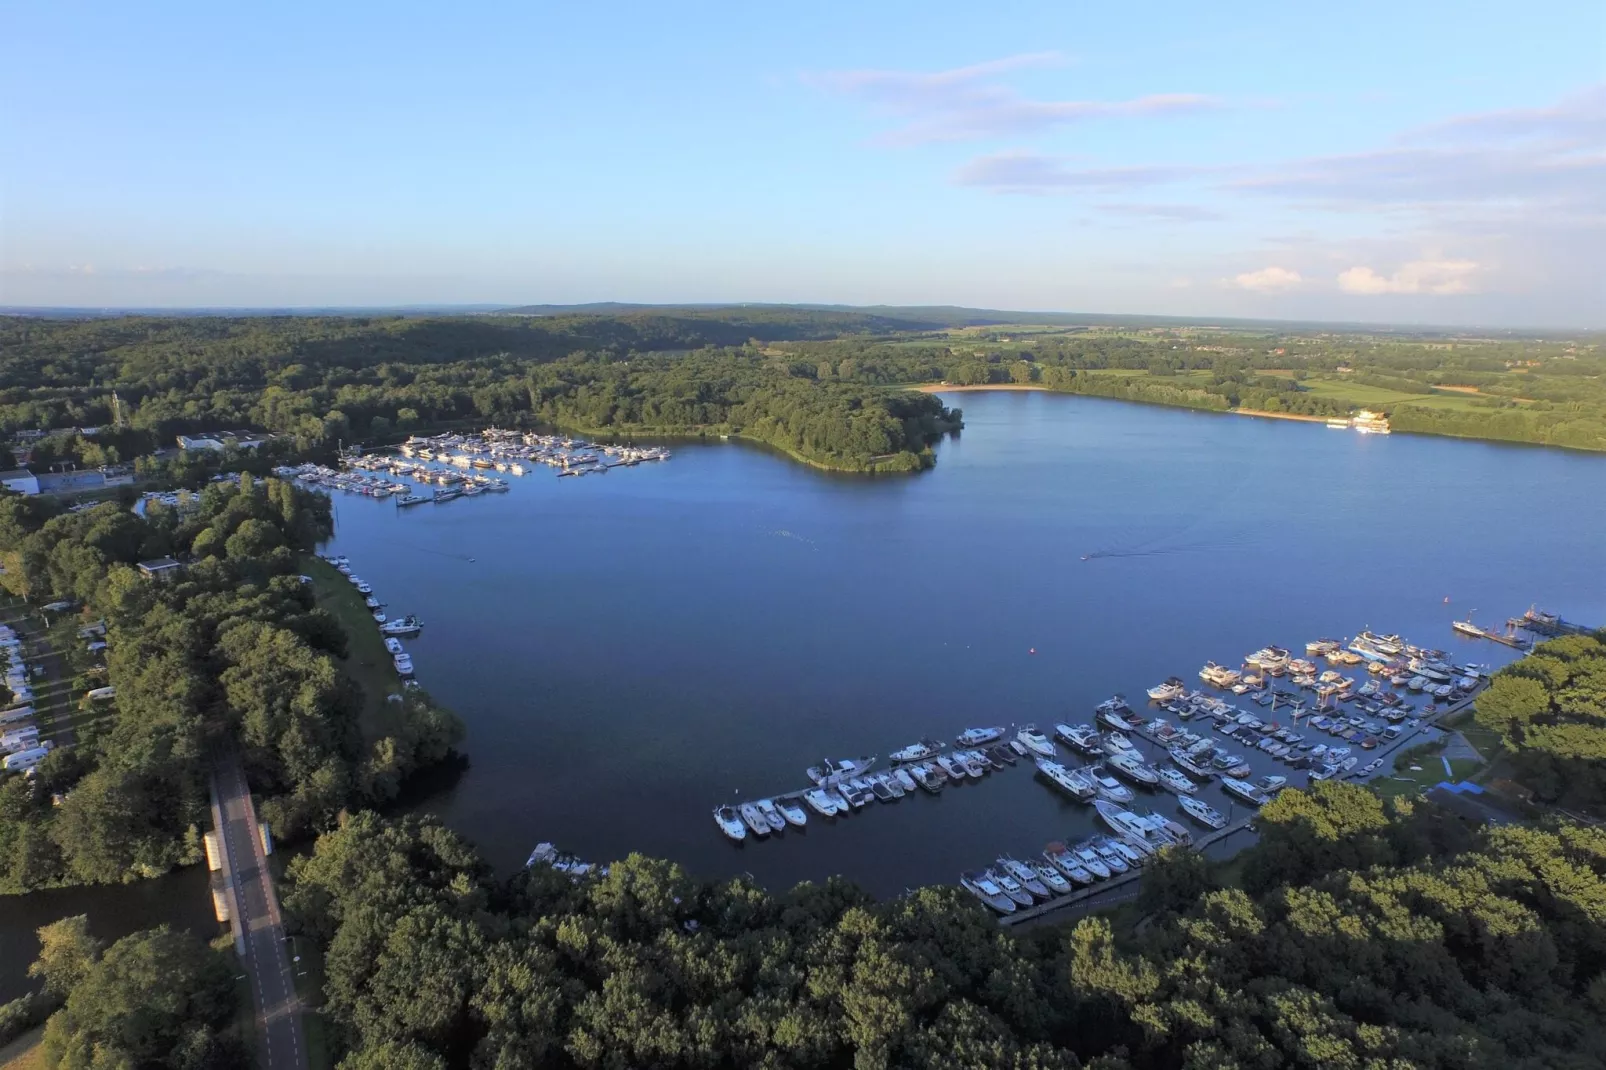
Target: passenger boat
[(1035, 741), (1107, 786), (1026, 875), (730, 823), (1010, 885), (1058, 856), (835, 770), (1082, 737), (1052, 878), (1169, 691), (753, 819), (792, 813), (1174, 781), (916, 752), (1076, 786), (1129, 765), (987, 890), (1202, 812), (975, 737), (771, 814), (820, 802), (1243, 790)]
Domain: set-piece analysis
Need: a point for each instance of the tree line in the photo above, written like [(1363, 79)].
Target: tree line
[(1550, 711), (1364, 934), (232, 653)]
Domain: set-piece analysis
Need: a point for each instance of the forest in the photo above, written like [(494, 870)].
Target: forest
[(1359, 933), (231, 654), (1550, 711)]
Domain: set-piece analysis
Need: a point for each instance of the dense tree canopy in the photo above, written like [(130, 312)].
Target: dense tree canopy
[(1550, 709), (1370, 935)]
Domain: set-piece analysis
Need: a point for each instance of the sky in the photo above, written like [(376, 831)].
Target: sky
[(1416, 162)]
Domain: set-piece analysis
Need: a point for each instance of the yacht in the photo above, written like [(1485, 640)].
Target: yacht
[(971, 762), (1056, 855), (1202, 812), (403, 626), (1082, 737), (1075, 785), (975, 737), (1173, 780), (831, 770), (916, 752), (753, 819), (1094, 862), (1169, 691), (1115, 743), (1026, 875), (904, 780), (792, 812), (928, 776), (411, 499), (1243, 790), (1190, 763), (1218, 676), (987, 890), (950, 767), (1129, 765), (1169, 827), (1116, 860), (372, 603), (1107, 786), (1010, 885), (1113, 712), (1035, 741), (771, 814), (1144, 832), (1052, 878), (730, 823), (1318, 647), (1271, 785)]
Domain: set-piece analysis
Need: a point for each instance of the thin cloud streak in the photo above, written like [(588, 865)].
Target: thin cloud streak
[(1028, 172), (1176, 213), (970, 103)]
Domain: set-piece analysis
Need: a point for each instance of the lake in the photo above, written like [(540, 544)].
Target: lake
[(630, 650)]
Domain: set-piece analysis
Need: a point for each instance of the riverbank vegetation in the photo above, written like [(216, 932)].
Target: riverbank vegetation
[(1550, 712), (1365, 933), (228, 651)]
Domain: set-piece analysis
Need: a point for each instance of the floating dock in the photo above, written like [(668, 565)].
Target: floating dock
[(1548, 625)]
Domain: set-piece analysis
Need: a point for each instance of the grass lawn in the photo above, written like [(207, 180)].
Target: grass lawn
[(1359, 394), (1406, 781), (24, 1053), (366, 661)]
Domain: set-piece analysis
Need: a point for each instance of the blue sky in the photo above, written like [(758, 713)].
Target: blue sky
[(1407, 162)]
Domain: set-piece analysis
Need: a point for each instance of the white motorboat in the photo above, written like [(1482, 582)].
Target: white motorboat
[(972, 762), (1011, 887), (1107, 786), (371, 602), (975, 737), (1058, 856), (1202, 812), (1173, 780), (1035, 741), (1244, 790), (1129, 765), (1052, 878), (1082, 737), (792, 812), (1166, 826), (1077, 787), (916, 752), (403, 626), (1116, 742), (1190, 763), (1271, 785), (1026, 875), (820, 802), (403, 664), (730, 823), (951, 767), (1093, 861), (1115, 859), (987, 890), (771, 814), (753, 819), (1219, 676), (835, 771), (929, 776), (1169, 691), (904, 780), (379, 618), (394, 646)]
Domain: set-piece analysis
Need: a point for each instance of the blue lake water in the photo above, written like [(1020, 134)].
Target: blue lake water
[(630, 650)]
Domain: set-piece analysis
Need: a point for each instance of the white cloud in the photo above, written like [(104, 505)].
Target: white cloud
[(1268, 280), (1416, 277), (1030, 172), (970, 103)]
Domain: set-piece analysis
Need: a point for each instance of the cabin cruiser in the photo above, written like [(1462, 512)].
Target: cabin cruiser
[(1026, 875), (1271, 785), (820, 802), (856, 791), (916, 752), (1173, 780), (771, 814), (1202, 812), (403, 664), (1163, 730), (1129, 765), (753, 819), (393, 646), (402, 626), (1169, 691), (1001, 755), (1060, 857), (1010, 885), (880, 789), (379, 618), (1082, 737), (984, 888), (1190, 763), (791, 812), (1115, 742), (1218, 676), (1148, 833), (835, 770), (1243, 790), (950, 767), (1116, 859), (1169, 827), (1074, 784), (1107, 786), (1318, 647), (928, 776), (972, 763), (1385, 644), (730, 823), (1115, 712), (1269, 659), (905, 781), (372, 603), (975, 737), (1052, 878), (1035, 741), (1094, 862)]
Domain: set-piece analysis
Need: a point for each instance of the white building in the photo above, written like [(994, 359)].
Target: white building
[(20, 480)]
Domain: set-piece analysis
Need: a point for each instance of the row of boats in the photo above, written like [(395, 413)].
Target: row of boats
[(1011, 884), (518, 452), (1387, 657), (392, 630)]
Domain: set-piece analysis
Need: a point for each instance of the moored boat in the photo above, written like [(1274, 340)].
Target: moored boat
[(1173, 780), (1077, 787), (753, 819), (834, 770), (975, 737), (916, 752), (1035, 741), (793, 813), (1026, 875), (1243, 790), (1107, 786), (987, 890), (1129, 765), (1202, 812), (1010, 885), (771, 814), (730, 823), (1052, 878), (1081, 737)]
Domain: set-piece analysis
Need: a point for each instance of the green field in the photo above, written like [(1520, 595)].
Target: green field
[(367, 661)]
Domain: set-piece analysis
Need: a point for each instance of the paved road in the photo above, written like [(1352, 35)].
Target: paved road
[(261, 932)]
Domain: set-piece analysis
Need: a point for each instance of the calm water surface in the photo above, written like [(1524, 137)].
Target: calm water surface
[(631, 650)]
